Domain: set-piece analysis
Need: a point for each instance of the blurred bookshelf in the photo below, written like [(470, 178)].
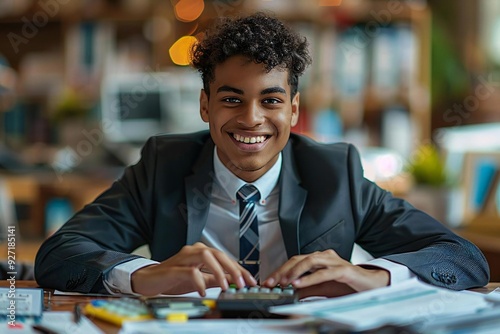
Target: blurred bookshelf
[(371, 67), (371, 60), (370, 72), (60, 46), (369, 84)]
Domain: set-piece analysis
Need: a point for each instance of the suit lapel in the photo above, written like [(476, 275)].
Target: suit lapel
[(292, 200), (198, 192)]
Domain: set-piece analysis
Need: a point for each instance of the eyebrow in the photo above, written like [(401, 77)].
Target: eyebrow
[(275, 89), (270, 90), (226, 88)]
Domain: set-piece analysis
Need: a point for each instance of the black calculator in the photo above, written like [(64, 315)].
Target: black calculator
[(254, 301)]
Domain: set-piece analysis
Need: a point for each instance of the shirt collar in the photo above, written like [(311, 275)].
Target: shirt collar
[(231, 184)]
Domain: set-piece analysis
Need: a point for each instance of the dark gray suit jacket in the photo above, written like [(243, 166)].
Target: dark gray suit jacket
[(325, 203)]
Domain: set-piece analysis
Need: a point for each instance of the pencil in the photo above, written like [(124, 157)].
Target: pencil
[(77, 314)]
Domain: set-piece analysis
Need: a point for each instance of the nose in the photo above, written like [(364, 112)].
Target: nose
[(251, 116)]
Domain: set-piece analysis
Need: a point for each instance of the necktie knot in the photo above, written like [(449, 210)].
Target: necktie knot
[(248, 193)]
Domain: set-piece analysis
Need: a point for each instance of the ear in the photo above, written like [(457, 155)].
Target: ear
[(295, 109), (204, 106)]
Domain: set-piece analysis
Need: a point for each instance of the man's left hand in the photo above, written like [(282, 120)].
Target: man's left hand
[(326, 274)]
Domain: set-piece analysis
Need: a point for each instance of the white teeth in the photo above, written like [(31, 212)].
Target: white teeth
[(249, 140)]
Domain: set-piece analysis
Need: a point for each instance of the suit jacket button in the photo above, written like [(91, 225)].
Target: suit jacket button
[(447, 279), (437, 276)]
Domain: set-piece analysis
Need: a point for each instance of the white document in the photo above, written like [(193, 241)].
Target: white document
[(210, 293), (220, 326), (486, 321), (60, 322), (406, 303)]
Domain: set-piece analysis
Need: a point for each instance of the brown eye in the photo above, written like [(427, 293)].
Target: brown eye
[(271, 101), (231, 100)]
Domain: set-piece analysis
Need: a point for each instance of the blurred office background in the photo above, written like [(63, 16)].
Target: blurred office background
[(415, 84)]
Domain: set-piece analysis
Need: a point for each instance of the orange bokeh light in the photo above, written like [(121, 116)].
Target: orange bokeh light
[(330, 3), (189, 10), (180, 51)]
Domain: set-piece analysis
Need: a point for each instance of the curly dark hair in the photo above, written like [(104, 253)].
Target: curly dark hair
[(262, 38)]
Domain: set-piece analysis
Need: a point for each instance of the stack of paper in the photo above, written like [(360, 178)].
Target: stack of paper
[(221, 326), (59, 322), (410, 302)]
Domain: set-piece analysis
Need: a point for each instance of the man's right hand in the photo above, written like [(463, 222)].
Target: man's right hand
[(194, 268)]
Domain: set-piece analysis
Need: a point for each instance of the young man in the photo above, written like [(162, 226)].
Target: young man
[(312, 202)]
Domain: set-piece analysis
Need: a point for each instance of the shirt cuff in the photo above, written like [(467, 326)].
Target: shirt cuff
[(118, 279), (398, 272)]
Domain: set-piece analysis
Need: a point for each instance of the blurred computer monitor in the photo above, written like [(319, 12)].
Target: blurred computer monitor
[(136, 106)]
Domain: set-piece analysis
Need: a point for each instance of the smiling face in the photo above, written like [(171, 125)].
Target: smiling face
[(250, 113)]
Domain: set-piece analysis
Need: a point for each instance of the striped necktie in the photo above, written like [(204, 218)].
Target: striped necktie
[(249, 229)]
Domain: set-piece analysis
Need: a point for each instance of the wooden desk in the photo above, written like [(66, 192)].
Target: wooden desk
[(67, 303)]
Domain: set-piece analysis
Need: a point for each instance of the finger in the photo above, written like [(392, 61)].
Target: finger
[(321, 276), (282, 272), (248, 278), (189, 255), (240, 276), (211, 281), (183, 280), (221, 265), (311, 265), (313, 262), (211, 262), (199, 281), (199, 245), (356, 277)]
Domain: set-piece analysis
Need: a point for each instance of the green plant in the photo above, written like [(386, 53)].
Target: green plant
[(70, 106), (427, 167)]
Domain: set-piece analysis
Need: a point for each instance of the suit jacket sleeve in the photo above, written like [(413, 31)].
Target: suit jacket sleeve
[(102, 234), (392, 229)]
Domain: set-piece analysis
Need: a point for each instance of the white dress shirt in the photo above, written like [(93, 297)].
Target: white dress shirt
[(222, 229)]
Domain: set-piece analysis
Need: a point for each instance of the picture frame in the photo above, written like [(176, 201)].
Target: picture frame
[(481, 189)]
